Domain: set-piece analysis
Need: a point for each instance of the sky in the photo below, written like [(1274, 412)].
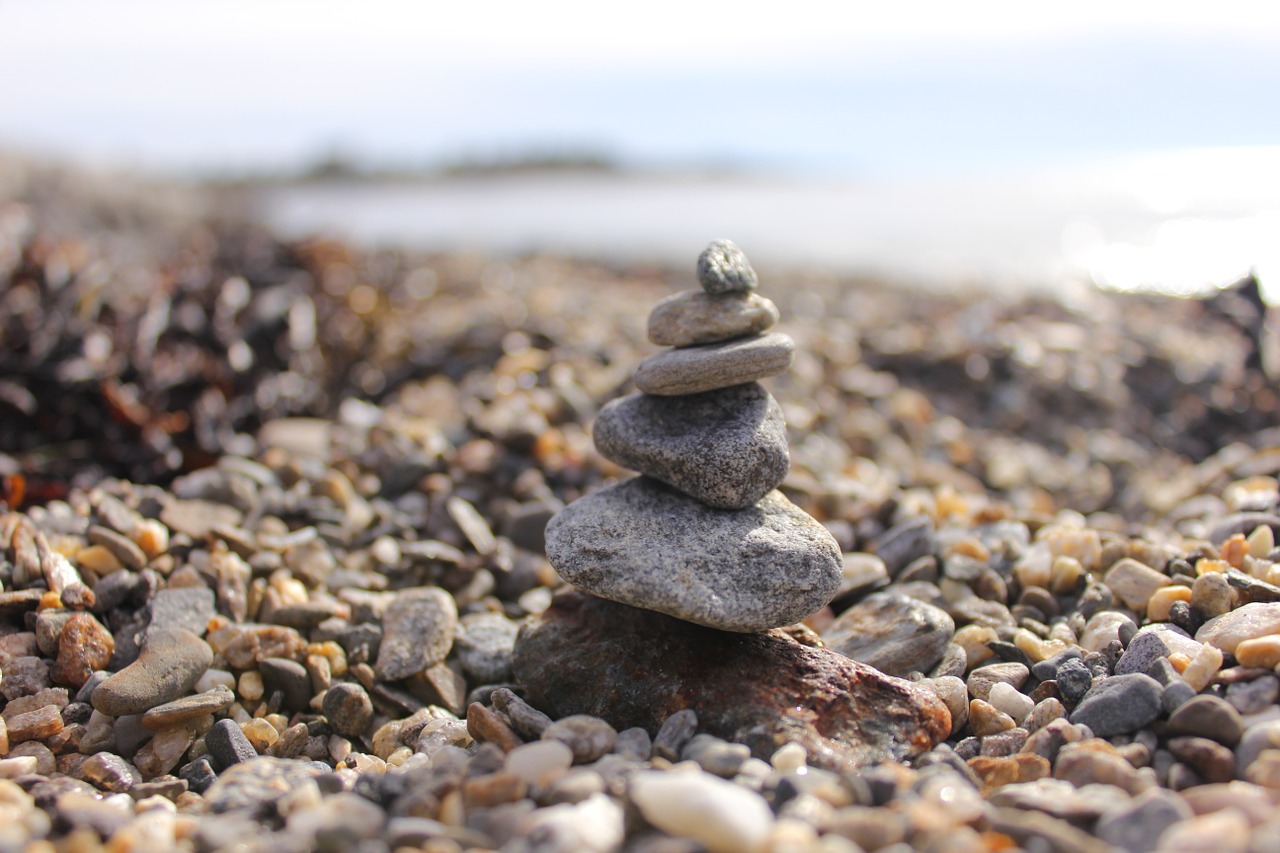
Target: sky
[(855, 88)]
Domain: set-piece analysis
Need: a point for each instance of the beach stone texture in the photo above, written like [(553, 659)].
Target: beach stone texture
[(724, 268), (642, 543), (894, 633), (417, 632), (726, 448), (1259, 619), (692, 370), (693, 317), (633, 667)]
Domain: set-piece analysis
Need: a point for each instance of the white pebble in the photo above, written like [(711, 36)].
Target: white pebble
[(722, 816), (1007, 698), (594, 825), (213, 678), (789, 757), (540, 762)]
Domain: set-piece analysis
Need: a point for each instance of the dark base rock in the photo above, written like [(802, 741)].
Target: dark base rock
[(632, 667)]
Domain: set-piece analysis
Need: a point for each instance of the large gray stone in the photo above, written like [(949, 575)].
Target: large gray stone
[(691, 370), (726, 448), (894, 633), (645, 544), (692, 317)]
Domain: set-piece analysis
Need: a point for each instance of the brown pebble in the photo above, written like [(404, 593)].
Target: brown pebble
[(35, 725), (493, 789), (487, 726), (84, 646), (995, 772), (1213, 761), (985, 719)]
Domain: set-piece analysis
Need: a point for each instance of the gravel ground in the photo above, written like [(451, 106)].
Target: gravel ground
[(274, 577)]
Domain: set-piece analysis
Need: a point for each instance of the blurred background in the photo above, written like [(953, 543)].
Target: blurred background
[(1006, 144)]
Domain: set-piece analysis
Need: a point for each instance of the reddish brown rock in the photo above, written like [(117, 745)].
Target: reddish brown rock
[(83, 647), (634, 667)]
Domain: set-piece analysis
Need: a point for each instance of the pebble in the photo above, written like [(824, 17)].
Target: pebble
[(726, 448), (1119, 704), (724, 268), (675, 731), (1259, 651), (1259, 619), (1008, 699), (723, 817), (171, 661), (290, 679), (1209, 717), (894, 633), (1134, 583), (484, 644), (984, 678), (693, 317), (417, 632), (348, 708), (1136, 825), (693, 370), (84, 646), (717, 756), (587, 737), (188, 708), (228, 745), (655, 548)]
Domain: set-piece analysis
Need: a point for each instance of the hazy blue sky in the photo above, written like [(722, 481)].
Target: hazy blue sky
[(852, 88)]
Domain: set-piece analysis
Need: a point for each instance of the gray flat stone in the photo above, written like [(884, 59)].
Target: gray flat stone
[(723, 268), (725, 448), (693, 317), (645, 544), (692, 370), (894, 633)]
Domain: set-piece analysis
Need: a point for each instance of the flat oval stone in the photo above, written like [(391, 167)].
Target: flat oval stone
[(170, 663), (724, 268), (726, 448), (894, 633), (645, 544), (692, 370), (693, 317)]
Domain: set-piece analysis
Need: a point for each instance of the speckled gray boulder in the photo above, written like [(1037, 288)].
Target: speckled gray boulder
[(693, 317), (727, 448), (692, 370), (723, 268), (645, 544), (895, 633)]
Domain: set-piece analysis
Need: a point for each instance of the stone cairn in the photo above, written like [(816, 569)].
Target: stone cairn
[(702, 534)]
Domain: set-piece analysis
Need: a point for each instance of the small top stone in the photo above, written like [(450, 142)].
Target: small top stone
[(723, 268)]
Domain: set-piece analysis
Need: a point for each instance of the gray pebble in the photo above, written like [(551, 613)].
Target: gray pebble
[(674, 733), (726, 448), (694, 317), (258, 782), (1048, 668), (121, 547), (527, 720), (1256, 738), (1074, 680), (1136, 825), (417, 632), (634, 744), (588, 737), (693, 370), (288, 677), (894, 633), (715, 755), (1119, 704), (724, 268), (348, 709), (485, 642), (1252, 697), (228, 745), (190, 608), (903, 544), (644, 544), (1175, 694)]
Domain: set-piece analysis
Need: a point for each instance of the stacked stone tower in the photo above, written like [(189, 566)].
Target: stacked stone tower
[(702, 534)]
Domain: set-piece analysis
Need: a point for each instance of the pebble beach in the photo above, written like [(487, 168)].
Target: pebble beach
[(274, 550)]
